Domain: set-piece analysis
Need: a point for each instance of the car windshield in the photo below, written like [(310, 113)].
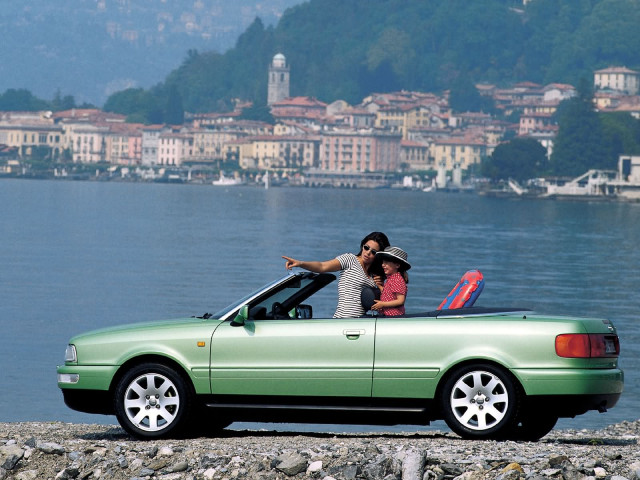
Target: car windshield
[(289, 291), (235, 305)]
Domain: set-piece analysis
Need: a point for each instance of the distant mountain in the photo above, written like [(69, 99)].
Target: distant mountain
[(340, 49), (92, 48)]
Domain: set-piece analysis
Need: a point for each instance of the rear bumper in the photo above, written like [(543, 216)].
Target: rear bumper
[(571, 405), (571, 392), (572, 382)]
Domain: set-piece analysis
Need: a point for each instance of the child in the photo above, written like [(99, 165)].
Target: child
[(394, 292)]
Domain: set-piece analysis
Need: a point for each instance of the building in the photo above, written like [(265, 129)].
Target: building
[(277, 151), (620, 79), (535, 122), (150, 142), (360, 151), (31, 131), (124, 144), (415, 156), (303, 110), (458, 152), (87, 141), (278, 85), (174, 148)]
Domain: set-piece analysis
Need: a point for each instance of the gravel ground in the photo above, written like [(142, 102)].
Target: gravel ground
[(77, 451)]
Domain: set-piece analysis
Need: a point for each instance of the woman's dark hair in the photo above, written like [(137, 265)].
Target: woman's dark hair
[(382, 240)]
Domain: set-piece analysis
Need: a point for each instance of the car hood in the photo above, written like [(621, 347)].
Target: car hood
[(143, 326)]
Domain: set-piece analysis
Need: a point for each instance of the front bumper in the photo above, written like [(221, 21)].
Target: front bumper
[(86, 388), (94, 377)]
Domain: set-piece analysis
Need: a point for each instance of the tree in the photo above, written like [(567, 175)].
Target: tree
[(21, 100), (520, 159), (136, 103), (578, 146), (621, 136), (261, 113), (464, 97), (60, 103), (175, 111)]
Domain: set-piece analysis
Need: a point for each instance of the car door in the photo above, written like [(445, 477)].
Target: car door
[(408, 356), (294, 356)]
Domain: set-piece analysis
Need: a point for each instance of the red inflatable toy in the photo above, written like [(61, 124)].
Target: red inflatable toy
[(466, 291)]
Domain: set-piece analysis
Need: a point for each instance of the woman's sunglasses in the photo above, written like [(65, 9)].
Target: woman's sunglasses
[(367, 248)]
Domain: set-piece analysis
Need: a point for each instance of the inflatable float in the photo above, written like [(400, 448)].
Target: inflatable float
[(466, 291)]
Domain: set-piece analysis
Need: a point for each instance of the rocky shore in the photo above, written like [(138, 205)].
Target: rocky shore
[(33, 450)]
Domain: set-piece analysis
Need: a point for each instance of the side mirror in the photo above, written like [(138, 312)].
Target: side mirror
[(241, 317), (304, 311)]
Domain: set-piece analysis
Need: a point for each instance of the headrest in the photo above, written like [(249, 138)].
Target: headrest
[(368, 296)]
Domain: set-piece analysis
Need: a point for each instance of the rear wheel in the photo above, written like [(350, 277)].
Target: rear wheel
[(480, 401), (153, 401)]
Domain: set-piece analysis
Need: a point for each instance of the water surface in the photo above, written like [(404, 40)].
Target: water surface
[(82, 255)]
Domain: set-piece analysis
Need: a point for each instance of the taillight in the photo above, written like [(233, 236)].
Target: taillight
[(582, 345)]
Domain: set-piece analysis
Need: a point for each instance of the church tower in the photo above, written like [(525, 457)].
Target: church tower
[(278, 79)]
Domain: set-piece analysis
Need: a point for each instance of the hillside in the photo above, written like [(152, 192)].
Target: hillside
[(92, 48), (346, 50)]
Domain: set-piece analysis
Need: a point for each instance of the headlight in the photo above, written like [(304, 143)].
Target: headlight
[(70, 354)]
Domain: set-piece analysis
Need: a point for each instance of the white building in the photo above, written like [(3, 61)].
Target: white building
[(150, 144), (620, 79)]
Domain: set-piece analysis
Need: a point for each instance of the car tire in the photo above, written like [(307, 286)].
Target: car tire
[(532, 427), (153, 401), (480, 401)]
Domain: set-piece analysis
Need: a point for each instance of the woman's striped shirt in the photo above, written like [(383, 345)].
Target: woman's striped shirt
[(352, 281)]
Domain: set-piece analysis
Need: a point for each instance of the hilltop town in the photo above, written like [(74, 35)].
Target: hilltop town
[(386, 137)]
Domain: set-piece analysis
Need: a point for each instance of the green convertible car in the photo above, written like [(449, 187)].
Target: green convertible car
[(488, 372)]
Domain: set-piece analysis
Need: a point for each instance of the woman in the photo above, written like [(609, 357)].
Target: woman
[(356, 273)]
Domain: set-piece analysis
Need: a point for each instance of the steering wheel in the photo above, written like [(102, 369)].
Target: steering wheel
[(278, 312)]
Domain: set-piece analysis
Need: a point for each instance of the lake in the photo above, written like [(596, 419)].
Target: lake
[(81, 255)]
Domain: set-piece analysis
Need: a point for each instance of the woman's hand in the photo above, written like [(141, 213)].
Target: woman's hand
[(318, 267), (290, 263)]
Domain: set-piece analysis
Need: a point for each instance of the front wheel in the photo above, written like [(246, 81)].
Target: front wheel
[(152, 401), (480, 402)]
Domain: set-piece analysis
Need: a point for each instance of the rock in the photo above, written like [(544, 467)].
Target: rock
[(379, 469), (413, 466), (558, 461), (165, 452), (105, 452), (350, 472), (600, 472), (27, 475), (291, 463), (51, 447), (10, 455), (179, 467)]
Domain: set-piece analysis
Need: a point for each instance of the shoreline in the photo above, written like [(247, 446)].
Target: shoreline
[(57, 450)]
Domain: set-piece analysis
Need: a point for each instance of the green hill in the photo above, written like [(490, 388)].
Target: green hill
[(341, 49)]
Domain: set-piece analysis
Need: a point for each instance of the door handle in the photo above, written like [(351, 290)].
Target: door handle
[(353, 333)]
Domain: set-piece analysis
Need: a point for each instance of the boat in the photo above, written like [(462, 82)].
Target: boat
[(228, 181), (594, 184)]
